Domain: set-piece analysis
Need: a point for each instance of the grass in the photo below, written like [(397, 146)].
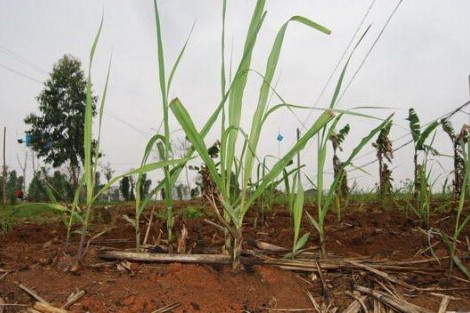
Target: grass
[(28, 212)]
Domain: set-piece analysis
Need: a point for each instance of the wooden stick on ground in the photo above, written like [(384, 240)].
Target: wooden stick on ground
[(2, 305), (326, 296), (378, 308), (355, 306), (4, 275), (164, 257), (267, 246), (444, 303), (315, 304), (32, 293), (382, 274), (214, 224), (167, 308), (47, 308), (147, 232), (395, 303), (74, 297)]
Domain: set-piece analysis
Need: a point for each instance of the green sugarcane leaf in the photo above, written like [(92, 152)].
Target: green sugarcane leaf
[(301, 242), (196, 139), (240, 80), (129, 220), (343, 72), (148, 149), (321, 122), (364, 141), (461, 266), (354, 153), (178, 60), (313, 221), (298, 208), (100, 119), (88, 136), (271, 67), (425, 134), (222, 50)]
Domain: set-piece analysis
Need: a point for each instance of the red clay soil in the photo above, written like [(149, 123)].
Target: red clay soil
[(33, 255)]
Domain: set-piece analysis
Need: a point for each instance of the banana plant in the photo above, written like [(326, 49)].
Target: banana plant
[(420, 136), (324, 201), (342, 190), (384, 148), (458, 143)]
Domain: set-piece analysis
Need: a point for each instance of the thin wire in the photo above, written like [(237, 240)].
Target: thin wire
[(19, 73), (444, 116), (370, 50), (20, 59), (105, 113), (143, 132), (365, 58), (348, 46)]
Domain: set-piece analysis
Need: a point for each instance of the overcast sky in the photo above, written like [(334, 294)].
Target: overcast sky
[(421, 61)]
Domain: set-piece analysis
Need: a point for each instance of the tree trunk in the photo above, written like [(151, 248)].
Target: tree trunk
[(4, 169), (74, 177), (381, 178), (457, 179), (416, 181)]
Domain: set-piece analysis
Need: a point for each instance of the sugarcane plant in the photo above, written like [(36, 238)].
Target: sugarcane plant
[(458, 144), (297, 212), (271, 194), (324, 201), (240, 165), (78, 211), (384, 148), (342, 190), (165, 151)]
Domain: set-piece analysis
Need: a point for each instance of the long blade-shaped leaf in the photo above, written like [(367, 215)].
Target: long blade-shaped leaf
[(87, 140), (425, 134), (196, 139), (240, 79), (321, 122), (143, 169), (100, 114), (298, 209), (271, 66), (178, 60)]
